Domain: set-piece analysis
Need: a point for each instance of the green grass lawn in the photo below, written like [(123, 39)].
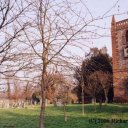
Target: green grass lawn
[(29, 117)]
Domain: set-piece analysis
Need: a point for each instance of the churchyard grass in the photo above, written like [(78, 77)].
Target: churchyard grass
[(54, 117)]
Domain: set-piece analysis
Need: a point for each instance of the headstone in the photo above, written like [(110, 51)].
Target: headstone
[(59, 104)]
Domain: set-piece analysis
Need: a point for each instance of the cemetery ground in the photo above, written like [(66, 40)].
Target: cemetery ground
[(54, 117)]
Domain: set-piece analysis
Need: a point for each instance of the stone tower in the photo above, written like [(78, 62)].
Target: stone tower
[(119, 34)]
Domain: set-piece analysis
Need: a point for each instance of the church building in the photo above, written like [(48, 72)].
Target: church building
[(119, 35)]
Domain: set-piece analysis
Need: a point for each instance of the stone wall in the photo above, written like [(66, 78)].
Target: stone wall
[(6, 103)]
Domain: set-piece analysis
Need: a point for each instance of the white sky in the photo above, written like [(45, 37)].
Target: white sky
[(99, 8)]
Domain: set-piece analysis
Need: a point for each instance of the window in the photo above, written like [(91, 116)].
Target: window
[(126, 36)]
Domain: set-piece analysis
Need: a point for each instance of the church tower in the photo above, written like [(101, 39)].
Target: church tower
[(119, 35)]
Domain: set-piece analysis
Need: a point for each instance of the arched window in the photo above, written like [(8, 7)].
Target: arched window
[(126, 36)]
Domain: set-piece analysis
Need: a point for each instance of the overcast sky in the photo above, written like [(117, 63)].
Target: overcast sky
[(107, 8)]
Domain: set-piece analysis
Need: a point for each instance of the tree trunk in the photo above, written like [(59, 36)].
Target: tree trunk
[(106, 98), (42, 115), (100, 103), (43, 88), (65, 114), (82, 100), (94, 104)]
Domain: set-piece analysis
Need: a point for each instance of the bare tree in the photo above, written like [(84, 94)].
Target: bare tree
[(27, 91), (93, 87), (55, 27), (17, 92), (52, 30), (105, 79), (79, 76), (11, 12)]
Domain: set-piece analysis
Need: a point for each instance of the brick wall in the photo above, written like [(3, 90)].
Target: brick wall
[(120, 63)]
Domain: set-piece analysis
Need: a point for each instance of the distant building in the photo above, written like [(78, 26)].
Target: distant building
[(119, 35), (96, 51), (103, 50)]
